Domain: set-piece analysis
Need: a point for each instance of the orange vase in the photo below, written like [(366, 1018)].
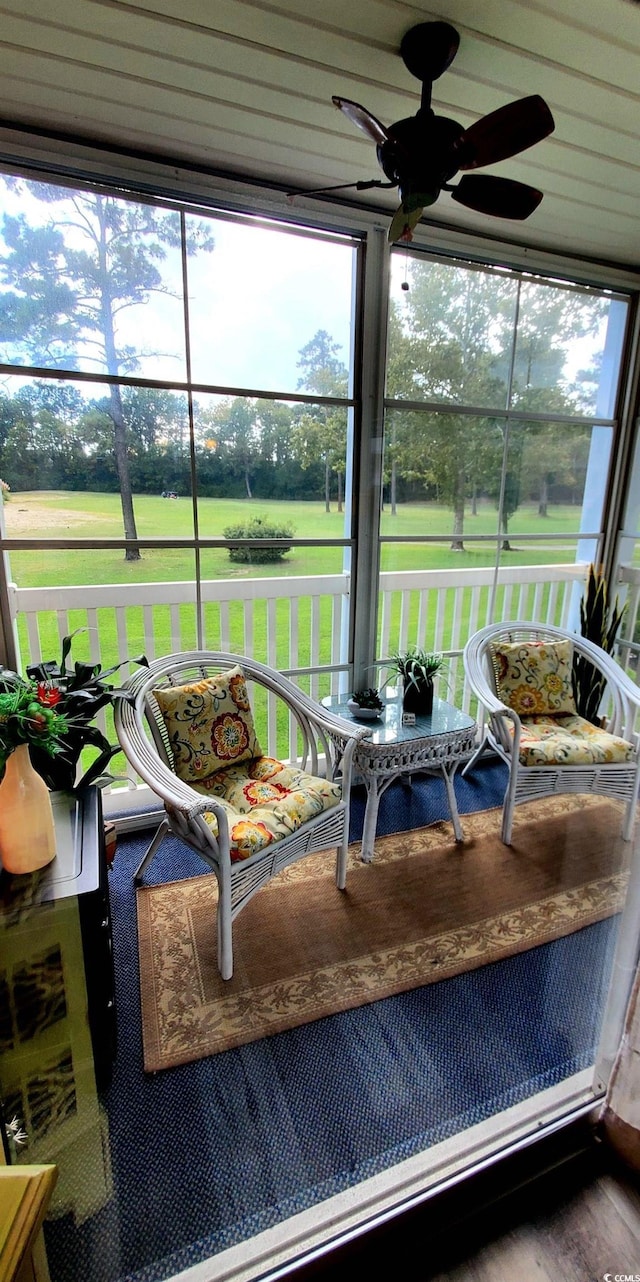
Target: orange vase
[(27, 833)]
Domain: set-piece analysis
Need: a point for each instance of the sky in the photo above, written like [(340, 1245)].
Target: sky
[(254, 302), (259, 298)]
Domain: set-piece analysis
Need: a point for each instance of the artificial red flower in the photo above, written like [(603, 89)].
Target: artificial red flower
[(48, 695)]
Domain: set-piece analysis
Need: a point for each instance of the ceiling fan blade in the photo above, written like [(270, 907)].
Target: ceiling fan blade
[(500, 197), (505, 132), (403, 223), (363, 119)]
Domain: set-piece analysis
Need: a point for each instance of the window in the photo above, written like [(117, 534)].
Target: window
[(174, 379), (499, 433)]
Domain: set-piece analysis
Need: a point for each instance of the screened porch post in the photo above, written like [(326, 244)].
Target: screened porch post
[(366, 564)]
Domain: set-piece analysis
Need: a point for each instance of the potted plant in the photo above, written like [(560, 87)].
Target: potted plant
[(29, 720), (77, 692), (600, 620), (50, 713), (416, 670), (365, 704)]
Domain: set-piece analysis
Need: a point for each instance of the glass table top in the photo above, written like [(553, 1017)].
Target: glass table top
[(388, 728)]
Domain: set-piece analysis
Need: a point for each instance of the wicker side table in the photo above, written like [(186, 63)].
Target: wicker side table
[(434, 745)]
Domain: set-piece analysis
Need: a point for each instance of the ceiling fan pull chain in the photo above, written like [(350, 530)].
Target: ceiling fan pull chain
[(405, 283)]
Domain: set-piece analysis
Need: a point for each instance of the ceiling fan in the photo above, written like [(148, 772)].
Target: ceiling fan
[(421, 153)]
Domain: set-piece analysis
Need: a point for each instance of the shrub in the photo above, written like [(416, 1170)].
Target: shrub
[(258, 528)]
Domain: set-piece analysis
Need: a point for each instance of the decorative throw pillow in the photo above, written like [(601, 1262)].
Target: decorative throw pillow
[(209, 723), (535, 678)]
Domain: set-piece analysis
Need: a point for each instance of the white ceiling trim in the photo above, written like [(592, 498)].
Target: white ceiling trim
[(243, 87)]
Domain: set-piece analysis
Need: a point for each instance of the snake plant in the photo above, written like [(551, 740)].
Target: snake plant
[(600, 620)]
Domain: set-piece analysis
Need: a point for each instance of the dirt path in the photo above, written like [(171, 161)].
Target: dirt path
[(23, 517)]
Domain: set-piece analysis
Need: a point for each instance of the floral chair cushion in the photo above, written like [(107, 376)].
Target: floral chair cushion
[(265, 801), (569, 741), (209, 723), (534, 678)]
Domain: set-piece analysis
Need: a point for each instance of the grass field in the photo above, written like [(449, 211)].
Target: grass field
[(49, 514)]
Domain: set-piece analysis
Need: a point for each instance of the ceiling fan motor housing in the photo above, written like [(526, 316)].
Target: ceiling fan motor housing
[(420, 156)]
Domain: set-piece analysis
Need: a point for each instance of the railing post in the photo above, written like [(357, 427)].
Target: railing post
[(9, 647)]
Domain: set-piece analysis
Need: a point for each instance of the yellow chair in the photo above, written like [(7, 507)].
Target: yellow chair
[(189, 734), (520, 673)]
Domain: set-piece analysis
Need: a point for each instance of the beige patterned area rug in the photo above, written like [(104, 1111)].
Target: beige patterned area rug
[(424, 910)]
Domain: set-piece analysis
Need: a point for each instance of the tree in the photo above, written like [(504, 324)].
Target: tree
[(451, 341), (554, 461), (320, 431), (541, 454), (233, 424), (42, 443), (71, 281), (447, 344)]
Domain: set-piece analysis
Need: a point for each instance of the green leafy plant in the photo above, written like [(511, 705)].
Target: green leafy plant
[(417, 670), (69, 699), (258, 528), (368, 698), (28, 714), (415, 667), (600, 621)]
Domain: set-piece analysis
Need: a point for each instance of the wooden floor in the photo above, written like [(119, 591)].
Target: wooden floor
[(575, 1220), (568, 1234)]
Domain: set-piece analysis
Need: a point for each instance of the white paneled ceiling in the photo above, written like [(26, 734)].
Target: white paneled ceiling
[(244, 88)]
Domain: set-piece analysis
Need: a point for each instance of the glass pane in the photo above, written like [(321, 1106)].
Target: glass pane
[(274, 611), (90, 281), (78, 580), (441, 474), (568, 351), (450, 332), (297, 562), (270, 309), (632, 507), (88, 461), (556, 478), (629, 566), (151, 609), (270, 468), (436, 556)]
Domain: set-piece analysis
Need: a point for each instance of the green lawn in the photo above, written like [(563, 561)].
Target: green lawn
[(47, 514)]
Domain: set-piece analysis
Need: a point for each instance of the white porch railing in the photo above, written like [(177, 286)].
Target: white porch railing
[(295, 624), (628, 648), (298, 625), (440, 609), (285, 622)]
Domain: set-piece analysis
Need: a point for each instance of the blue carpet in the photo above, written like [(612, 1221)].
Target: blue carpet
[(207, 1155)]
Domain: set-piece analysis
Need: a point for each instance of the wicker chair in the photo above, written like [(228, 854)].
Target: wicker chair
[(326, 745), (506, 731)]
